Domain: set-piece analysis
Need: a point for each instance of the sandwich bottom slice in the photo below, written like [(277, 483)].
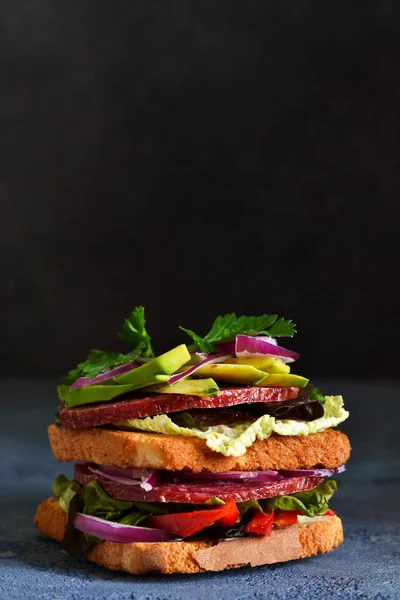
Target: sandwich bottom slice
[(207, 513), (317, 535)]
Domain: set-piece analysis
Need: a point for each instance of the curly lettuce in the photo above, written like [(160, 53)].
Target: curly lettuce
[(233, 440)]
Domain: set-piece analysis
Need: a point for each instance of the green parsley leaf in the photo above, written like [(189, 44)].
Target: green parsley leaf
[(282, 328), (226, 327), (134, 332), (99, 361)]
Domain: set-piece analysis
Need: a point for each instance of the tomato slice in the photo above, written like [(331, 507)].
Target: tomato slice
[(186, 524), (260, 524), (284, 518), (329, 513)]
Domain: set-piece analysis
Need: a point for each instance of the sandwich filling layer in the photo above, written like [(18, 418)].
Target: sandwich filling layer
[(235, 438), (190, 510)]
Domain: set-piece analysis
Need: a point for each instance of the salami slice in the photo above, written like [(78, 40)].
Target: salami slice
[(158, 404), (197, 492)]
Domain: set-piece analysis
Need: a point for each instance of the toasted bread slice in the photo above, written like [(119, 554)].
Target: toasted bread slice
[(289, 543), (328, 449)]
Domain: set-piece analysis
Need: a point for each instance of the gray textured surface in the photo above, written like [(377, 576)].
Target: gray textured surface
[(365, 566)]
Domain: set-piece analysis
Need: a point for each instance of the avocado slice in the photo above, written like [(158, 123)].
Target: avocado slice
[(281, 379), (240, 374), (194, 387), (101, 393), (165, 364), (270, 364), (89, 394)]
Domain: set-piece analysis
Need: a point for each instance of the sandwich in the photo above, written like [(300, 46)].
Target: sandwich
[(206, 457)]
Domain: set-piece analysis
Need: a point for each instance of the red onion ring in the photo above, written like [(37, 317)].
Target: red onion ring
[(146, 478), (117, 532), (211, 358), (313, 472), (84, 381), (247, 346), (259, 476)]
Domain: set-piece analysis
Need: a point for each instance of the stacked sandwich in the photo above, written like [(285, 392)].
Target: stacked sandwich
[(206, 457)]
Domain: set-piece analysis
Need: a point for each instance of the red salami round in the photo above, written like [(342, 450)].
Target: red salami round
[(159, 404), (197, 492)]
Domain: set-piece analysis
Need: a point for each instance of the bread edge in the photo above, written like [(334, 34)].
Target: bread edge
[(329, 449), (177, 557)]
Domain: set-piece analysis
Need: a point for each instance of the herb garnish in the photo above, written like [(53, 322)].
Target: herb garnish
[(226, 327), (133, 333)]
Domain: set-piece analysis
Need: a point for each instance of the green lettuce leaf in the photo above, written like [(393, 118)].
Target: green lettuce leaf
[(244, 507), (233, 440), (93, 500), (65, 490), (99, 504), (312, 503), (134, 518), (214, 501), (70, 497)]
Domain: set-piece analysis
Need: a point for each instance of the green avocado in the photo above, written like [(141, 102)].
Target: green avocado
[(194, 387), (281, 379), (269, 364), (90, 393), (239, 374), (101, 393), (165, 364)]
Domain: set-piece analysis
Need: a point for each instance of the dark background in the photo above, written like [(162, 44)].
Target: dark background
[(199, 158)]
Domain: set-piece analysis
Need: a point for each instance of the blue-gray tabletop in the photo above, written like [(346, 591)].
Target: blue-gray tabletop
[(366, 565)]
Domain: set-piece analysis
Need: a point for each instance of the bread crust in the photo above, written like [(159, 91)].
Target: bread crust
[(329, 449), (192, 557)]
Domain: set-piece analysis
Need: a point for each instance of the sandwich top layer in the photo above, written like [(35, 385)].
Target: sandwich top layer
[(330, 448), (230, 388)]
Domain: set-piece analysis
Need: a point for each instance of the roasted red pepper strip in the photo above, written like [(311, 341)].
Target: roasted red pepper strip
[(186, 524), (283, 518), (260, 524), (231, 514)]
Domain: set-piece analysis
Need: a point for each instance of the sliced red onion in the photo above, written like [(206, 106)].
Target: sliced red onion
[(267, 338), (84, 381), (117, 532), (248, 346), (151, 481), (130, 473), (146, 478), (211, 358), (259, 476), (313, 472), (228, 347)]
